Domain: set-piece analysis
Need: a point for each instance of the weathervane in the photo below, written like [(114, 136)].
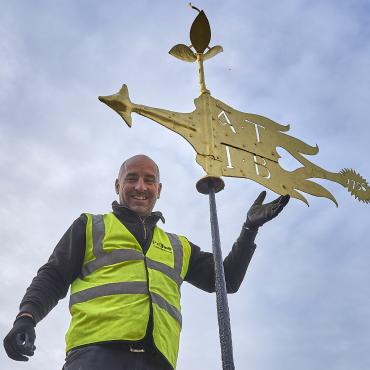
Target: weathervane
[(237, 144)]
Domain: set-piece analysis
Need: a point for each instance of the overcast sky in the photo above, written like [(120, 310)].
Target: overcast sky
[(305, 302)]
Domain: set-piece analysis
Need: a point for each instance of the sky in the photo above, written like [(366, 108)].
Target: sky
[(305, 301)]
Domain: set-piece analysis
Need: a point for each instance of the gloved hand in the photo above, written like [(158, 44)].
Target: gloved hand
[(260, 213), (19, 343)]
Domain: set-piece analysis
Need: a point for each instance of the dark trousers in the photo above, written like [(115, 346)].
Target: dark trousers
[(105, 357)]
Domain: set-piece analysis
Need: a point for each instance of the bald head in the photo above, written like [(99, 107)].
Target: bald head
[(138, 185), (135, 158)]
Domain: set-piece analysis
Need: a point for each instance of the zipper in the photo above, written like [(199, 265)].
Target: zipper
[(144, 227), (148, 338)]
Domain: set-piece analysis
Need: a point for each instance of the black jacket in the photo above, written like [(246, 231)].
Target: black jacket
[(64, 265)]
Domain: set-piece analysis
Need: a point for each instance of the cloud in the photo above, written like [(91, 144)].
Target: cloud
[(304, 302)]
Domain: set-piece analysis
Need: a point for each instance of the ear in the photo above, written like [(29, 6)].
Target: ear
[(116, 186), (159, 190)]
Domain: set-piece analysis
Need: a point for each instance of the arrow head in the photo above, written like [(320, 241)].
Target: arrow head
[(121, 103)]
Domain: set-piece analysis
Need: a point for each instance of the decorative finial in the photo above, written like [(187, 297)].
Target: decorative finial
[(200, 37)]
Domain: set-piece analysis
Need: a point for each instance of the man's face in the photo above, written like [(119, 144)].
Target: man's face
[(138, 185)]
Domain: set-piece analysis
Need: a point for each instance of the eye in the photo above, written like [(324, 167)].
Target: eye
[(131, 178), (150, 180)]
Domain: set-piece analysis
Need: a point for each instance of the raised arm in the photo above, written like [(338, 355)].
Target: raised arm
[(201, 266)]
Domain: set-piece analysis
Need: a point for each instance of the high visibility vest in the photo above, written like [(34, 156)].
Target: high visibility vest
[(118, 285)]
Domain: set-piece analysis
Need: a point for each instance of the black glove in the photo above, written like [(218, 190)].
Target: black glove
[(260, 213), (19, 343)]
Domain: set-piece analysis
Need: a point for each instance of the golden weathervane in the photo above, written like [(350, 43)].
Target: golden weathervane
[(237, 144)]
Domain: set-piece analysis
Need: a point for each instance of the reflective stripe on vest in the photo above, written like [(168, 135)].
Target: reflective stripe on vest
[(131, 287), (172, 310)]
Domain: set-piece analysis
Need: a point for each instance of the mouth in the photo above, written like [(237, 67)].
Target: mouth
[(139, 197)]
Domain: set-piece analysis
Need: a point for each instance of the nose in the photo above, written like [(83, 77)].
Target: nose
[(140, 184)]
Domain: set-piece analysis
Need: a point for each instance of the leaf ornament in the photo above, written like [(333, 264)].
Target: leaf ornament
[(183, 52), (212, 52), (200, 33)]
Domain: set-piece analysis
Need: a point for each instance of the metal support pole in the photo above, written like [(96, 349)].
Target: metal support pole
[(220, 287)]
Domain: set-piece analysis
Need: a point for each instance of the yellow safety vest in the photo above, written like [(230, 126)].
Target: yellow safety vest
[(118, 284)]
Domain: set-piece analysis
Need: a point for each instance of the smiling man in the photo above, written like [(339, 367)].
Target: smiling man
[(125, 274), (138, 185)]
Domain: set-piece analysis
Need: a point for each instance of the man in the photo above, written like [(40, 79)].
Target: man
[(125, 275)]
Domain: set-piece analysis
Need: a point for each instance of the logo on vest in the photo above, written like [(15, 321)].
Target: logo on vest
[(162, 247)]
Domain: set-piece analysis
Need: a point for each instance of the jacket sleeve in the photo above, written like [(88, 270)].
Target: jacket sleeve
[(201, 265), (53, 278)]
